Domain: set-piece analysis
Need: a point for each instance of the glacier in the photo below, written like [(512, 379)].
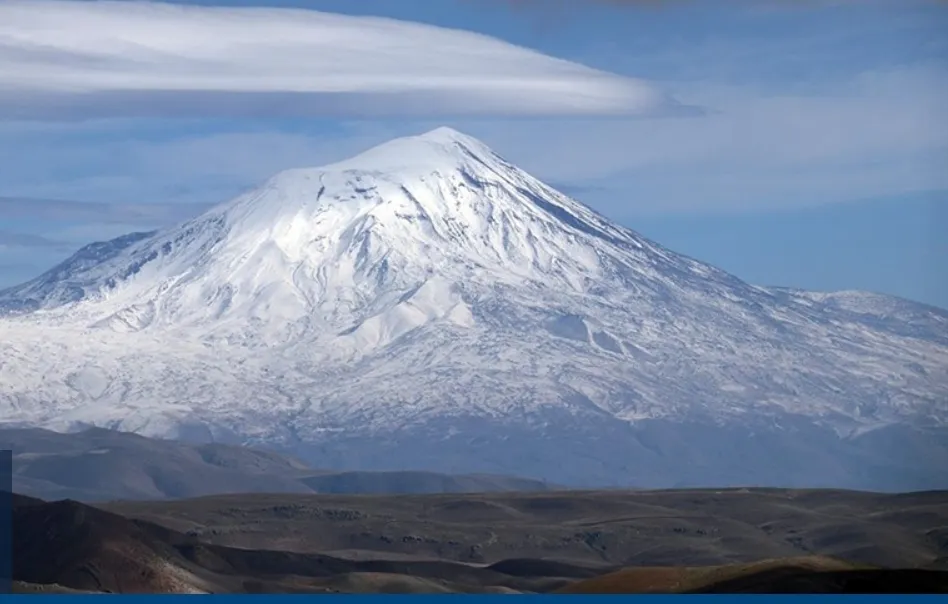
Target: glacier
[(429, 305)]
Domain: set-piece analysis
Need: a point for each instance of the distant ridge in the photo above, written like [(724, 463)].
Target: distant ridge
[(100, 465)]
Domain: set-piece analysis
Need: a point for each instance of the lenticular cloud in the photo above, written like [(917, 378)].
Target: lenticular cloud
[(78, 59)]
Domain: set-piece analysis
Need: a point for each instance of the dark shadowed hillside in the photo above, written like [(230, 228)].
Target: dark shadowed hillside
[(810, 574), (67, 545)]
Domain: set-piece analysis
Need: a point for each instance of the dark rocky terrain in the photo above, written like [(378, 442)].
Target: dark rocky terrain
[(326, 532), (621, 528), (743, 540)]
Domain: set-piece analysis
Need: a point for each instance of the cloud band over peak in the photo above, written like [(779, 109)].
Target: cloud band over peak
[(67, 59)]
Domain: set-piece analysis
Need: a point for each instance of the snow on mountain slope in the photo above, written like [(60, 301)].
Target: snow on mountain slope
[(428, 294)]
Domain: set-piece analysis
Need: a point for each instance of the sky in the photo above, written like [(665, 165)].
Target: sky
[(792, 143)]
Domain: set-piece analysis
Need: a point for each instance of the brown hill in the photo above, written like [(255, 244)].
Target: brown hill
[(671, 579), (81, 547)]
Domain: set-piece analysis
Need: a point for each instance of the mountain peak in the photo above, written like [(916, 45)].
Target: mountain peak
[(426, 295), (437, 150), (334, 245), (445, 134)]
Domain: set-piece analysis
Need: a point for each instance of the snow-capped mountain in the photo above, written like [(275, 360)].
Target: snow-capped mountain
[(427, 304)]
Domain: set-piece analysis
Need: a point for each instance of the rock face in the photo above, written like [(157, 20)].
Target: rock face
[(428, 305)]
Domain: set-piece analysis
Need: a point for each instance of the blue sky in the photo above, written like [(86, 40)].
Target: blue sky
[(814, 151)]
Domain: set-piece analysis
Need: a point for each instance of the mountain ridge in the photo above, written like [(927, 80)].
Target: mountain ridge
[(426, 294), (103, 465)]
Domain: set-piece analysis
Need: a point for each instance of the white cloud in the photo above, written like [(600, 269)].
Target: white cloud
[(67, 59), (873, 134), (875, 123)]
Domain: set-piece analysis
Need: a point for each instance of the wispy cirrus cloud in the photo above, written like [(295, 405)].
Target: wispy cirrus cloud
[(65, 59), (11, 240), (827, 106), (67, 211)]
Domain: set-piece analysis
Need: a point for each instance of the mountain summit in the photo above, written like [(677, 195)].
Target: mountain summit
[(427, 304), (417, 217)]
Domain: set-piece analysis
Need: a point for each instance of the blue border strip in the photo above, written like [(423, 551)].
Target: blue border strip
[(643, 599), (6, 522)]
